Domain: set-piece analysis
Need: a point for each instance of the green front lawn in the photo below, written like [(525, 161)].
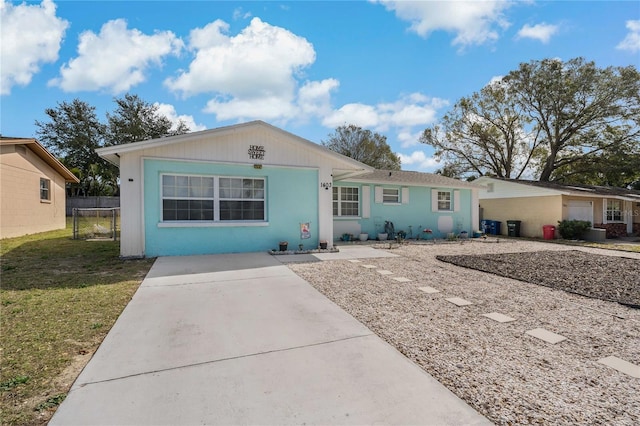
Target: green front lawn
[(58, 299)]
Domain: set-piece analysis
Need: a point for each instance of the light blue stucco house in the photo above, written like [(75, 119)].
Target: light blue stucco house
[(411, 201), (247, 187)]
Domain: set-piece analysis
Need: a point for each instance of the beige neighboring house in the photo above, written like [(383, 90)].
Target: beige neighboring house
[(615, 210), (32, 188)]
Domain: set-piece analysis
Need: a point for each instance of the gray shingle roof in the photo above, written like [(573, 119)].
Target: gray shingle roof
[(580, 188), (402, 177)]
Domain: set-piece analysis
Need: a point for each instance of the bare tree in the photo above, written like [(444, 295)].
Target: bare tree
[(484, 134), (552, 117)]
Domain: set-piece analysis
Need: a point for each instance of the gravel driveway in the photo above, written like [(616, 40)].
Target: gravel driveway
[(505, 374)]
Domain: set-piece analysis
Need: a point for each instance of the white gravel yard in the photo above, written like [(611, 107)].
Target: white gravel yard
[(505, 374)]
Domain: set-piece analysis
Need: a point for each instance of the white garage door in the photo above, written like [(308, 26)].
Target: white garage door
[(580, 210)]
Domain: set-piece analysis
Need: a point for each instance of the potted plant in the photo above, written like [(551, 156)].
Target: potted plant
[(323, 244), (283, 245)]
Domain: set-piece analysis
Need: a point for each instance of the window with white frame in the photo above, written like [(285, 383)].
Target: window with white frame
[(187, 198), (212, 198), (444, 200), (45, 189), (241, 199), (346, 201), (390, 195), (614, 211)]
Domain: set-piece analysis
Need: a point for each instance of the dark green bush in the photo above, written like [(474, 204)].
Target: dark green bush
[(573, 229)]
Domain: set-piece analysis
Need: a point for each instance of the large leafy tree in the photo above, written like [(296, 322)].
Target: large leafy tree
[(72, 134), (484, 134), (562, 120), (136, 120), (363, 145), (580, 110), (611, 168)]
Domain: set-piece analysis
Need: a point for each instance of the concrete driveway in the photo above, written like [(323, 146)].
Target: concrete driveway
[(240, 339)]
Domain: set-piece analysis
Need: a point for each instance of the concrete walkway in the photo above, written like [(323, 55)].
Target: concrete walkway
[(240, 339)]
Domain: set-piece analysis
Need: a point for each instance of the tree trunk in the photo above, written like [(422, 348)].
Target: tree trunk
[(545, 176)]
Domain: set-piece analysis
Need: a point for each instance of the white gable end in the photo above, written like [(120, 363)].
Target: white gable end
[(496, 188)]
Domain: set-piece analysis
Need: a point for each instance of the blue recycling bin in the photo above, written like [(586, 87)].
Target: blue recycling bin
[(495, 227)]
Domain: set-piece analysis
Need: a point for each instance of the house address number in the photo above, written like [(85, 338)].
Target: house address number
[(256, 152), (325, 185)]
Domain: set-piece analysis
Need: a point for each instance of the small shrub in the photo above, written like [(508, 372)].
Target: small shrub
[(573, 229), (54, 401), (10, 384)]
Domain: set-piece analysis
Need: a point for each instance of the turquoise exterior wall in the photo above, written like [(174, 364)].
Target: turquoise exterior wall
[(416, 214), (291, 199)]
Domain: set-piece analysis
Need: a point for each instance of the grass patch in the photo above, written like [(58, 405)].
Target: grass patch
[(58, 300), (634, 248)]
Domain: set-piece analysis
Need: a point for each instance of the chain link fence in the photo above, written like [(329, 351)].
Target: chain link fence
[(96, 224)]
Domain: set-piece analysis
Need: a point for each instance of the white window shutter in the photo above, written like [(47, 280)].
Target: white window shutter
[(378, 194), (604, 210), (456, 201), (366, 202), (434, 200), (405, 195)]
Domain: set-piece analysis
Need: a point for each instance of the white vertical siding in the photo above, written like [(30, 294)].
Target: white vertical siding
[(325, 205), (131, 206)]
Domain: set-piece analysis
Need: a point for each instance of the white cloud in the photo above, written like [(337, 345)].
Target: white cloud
[(473, 22), (401, 116), (264, 107), (314, 97), (359, 114), (632, 41), (419, 161), (116, 59), (260, 62), (495, 79), (169, 111), (541, 32), (258, 74), (255, 74), (31, 36), (238, 13)]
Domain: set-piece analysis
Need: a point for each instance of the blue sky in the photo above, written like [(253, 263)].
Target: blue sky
[(393, 67)]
